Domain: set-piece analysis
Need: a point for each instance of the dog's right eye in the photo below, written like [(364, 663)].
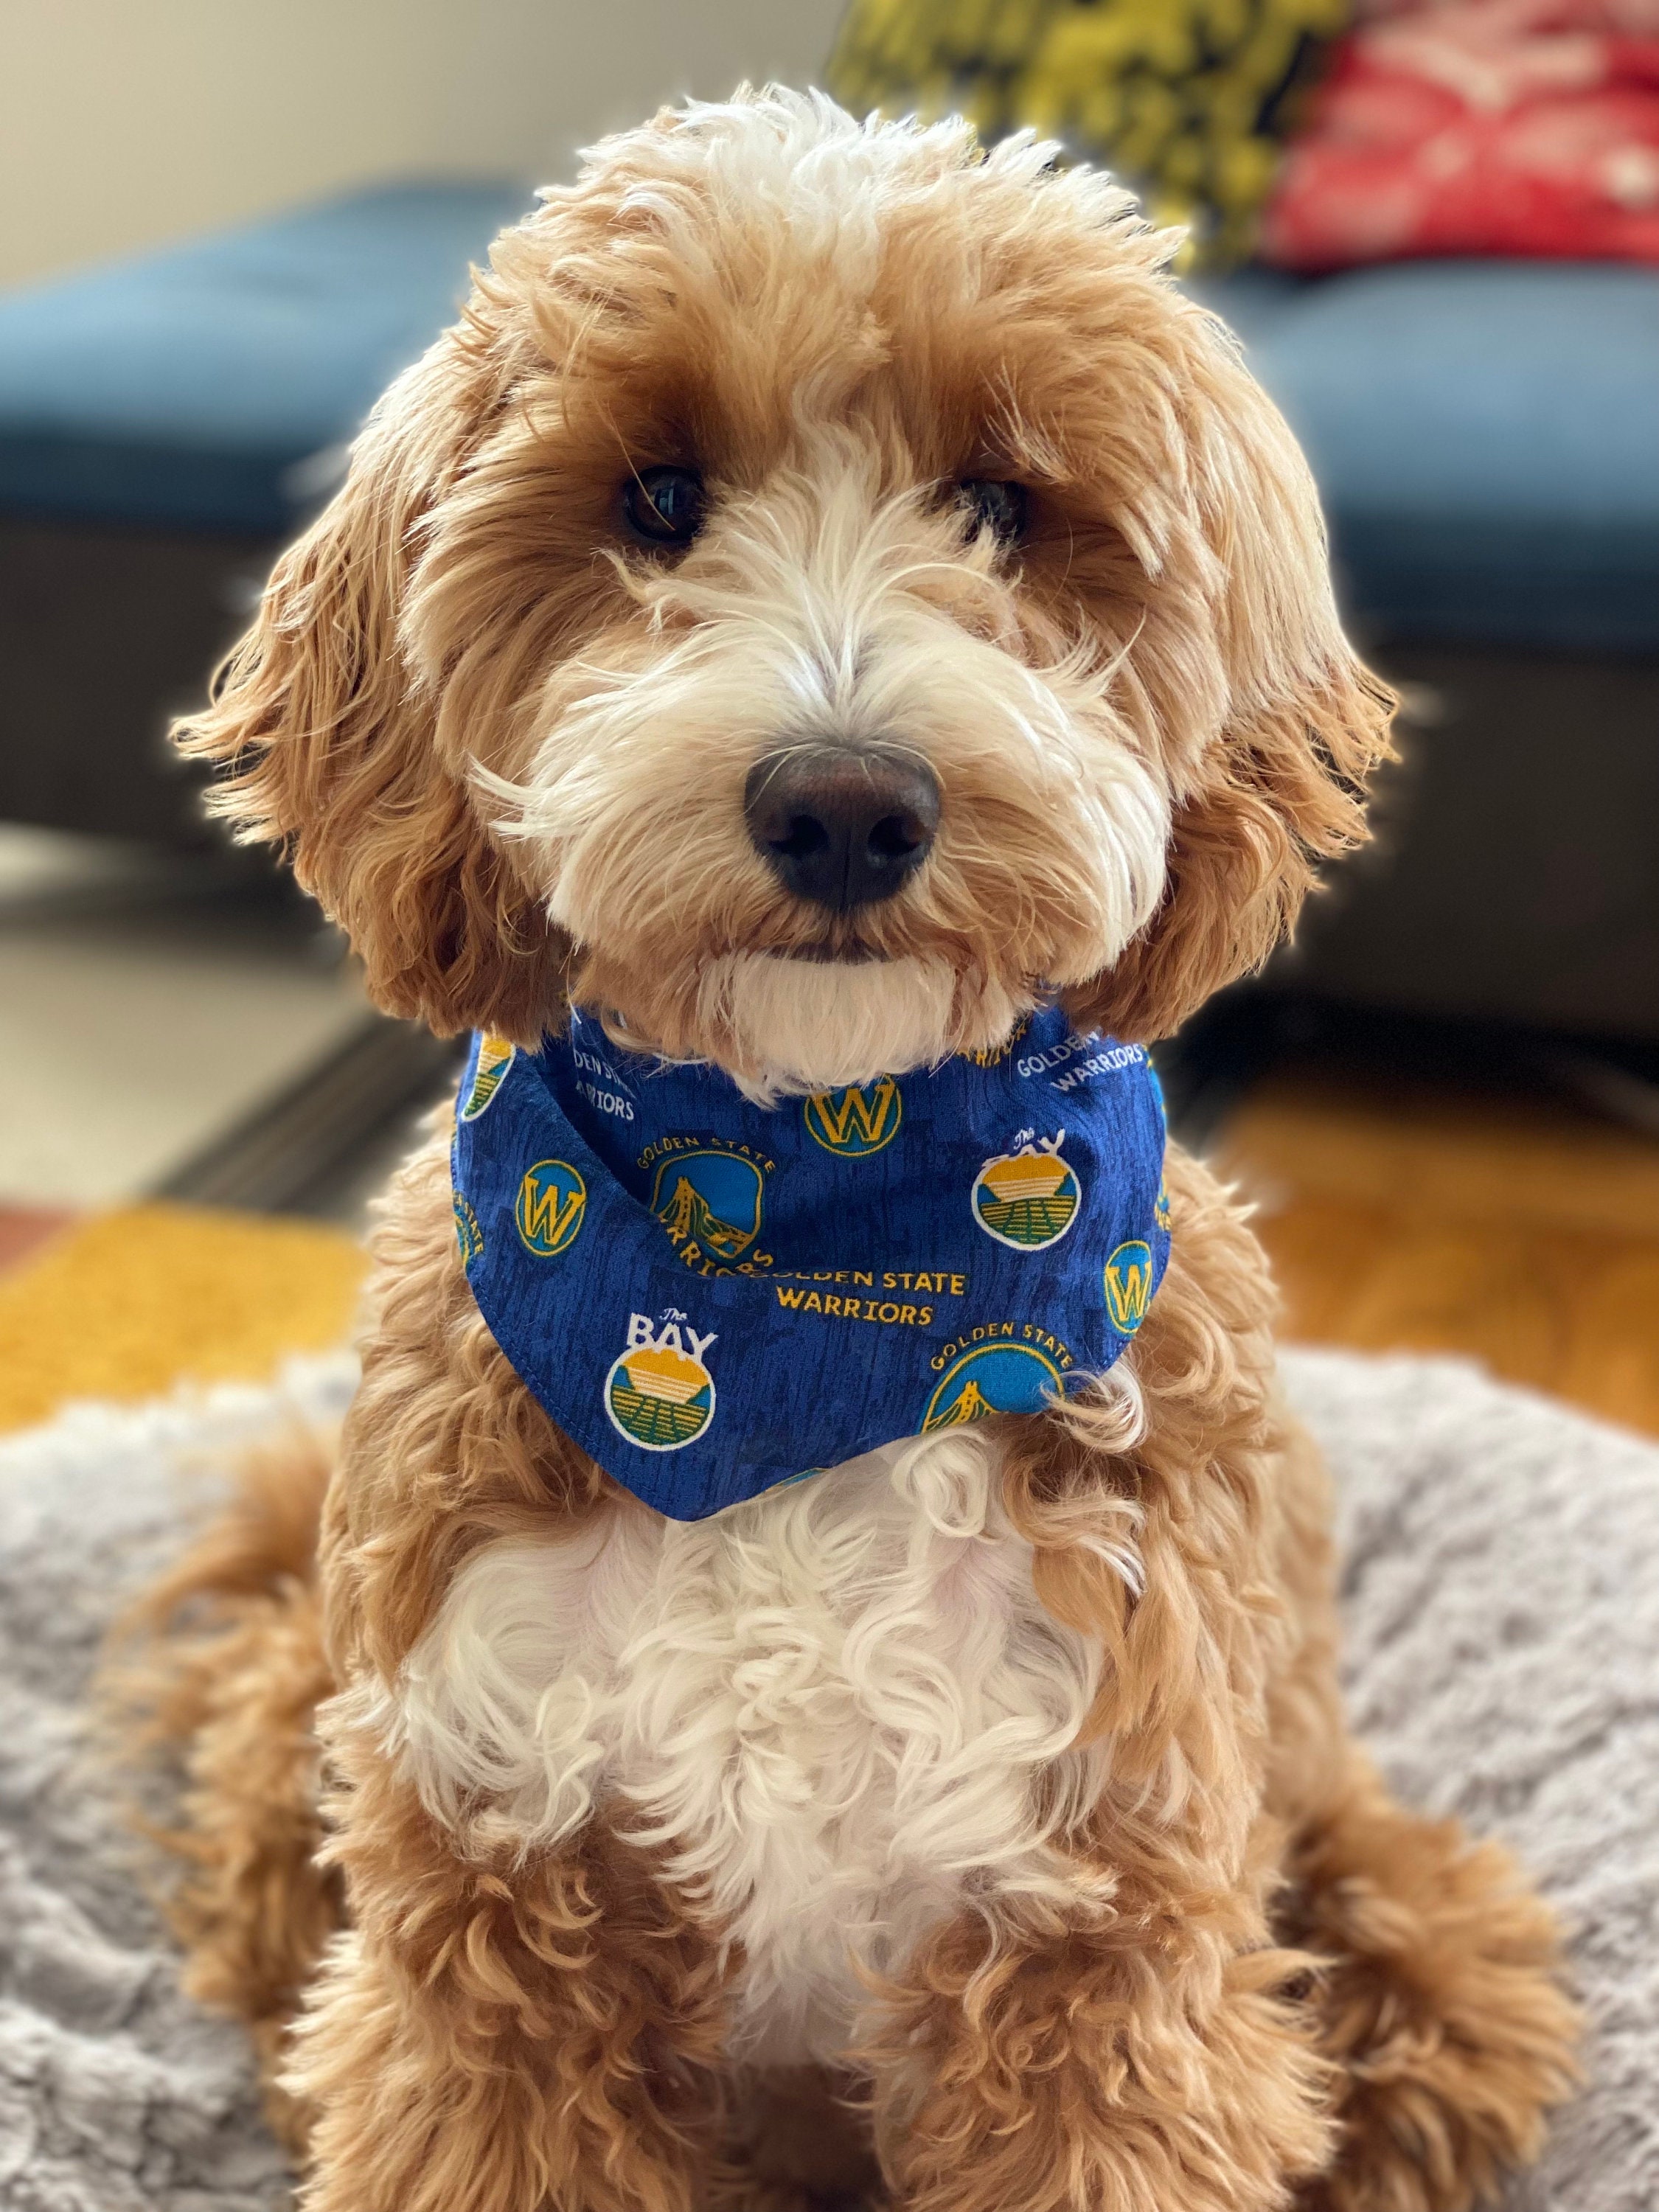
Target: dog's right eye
[(1003, 509), (664, 506)]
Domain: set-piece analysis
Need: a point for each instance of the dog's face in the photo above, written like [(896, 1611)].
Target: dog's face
[(829, 591)]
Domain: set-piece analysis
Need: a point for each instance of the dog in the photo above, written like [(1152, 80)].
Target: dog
[(830, 607)]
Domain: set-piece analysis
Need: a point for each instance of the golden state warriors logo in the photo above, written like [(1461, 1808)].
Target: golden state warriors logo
[(659, 1394), (551, 1201), (858, 1121), (496, 1056), (1028, 1198), (993, 1378), (711, 1199), (468, 1235), (1129, 1285)]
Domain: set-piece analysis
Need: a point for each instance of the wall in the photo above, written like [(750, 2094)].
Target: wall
[(127, 121)]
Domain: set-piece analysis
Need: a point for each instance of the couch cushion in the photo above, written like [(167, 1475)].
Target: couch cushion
[(190, 388), (1485, 434)]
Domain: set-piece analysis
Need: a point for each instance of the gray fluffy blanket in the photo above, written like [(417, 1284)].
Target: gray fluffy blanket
[(1502, 1607)]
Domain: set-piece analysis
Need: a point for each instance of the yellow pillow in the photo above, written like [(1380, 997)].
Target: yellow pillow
[(1188, 100)]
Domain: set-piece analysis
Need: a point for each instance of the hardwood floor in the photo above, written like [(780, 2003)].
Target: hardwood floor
[(1518, 1230)]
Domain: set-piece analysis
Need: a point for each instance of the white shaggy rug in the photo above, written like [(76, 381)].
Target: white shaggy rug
[(1502, 1607)]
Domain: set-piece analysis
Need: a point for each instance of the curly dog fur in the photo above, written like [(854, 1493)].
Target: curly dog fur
[(974, 1828)]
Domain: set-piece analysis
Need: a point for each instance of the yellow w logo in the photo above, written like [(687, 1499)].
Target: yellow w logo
[(1129, 1285), (552, 1200), (860, 1119)]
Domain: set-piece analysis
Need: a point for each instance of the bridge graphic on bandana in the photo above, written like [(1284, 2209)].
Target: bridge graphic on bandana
[(970, 1405), (710, 1199), (993, 1378)]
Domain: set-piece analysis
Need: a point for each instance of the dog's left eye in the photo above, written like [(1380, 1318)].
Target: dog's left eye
[(664, 506), (1001, 508)]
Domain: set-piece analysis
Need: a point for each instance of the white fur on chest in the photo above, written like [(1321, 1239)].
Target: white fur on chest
[(840, 1710)]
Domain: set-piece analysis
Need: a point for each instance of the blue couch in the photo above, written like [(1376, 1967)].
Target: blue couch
[(165, 424), (1486, 437), (207, 387)]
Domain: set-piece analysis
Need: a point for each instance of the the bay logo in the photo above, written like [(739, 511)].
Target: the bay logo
[(1027, 1198), (494, 1056), (551, 1201), (858, 1121), (659, 1394), (1129, 1285)]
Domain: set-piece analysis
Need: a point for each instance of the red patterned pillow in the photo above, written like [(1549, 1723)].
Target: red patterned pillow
[(1524, 127)]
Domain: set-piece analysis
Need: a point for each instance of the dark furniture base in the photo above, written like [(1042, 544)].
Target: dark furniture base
[(105, 634), (1516, 875)]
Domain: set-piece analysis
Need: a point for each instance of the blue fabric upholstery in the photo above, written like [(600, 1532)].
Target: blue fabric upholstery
[(1486, 435), (188, 389)]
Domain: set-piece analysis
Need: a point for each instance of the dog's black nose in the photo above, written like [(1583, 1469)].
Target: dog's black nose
[(842, 825)]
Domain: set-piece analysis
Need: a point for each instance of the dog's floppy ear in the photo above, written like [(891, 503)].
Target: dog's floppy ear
[(328, 742), (1279, 787)]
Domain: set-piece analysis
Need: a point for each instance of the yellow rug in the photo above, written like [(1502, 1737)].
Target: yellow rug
[(129, 1303)]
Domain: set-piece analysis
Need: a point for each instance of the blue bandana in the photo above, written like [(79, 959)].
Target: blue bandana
[(712, 1298)]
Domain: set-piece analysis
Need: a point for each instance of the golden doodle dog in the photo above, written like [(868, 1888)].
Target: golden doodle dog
[(830, 607)]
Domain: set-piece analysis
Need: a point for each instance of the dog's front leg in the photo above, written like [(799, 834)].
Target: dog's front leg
[(1117, 2041), (508, 2037), (1143, 2064)]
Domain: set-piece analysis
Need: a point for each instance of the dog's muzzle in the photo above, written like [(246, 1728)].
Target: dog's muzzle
[(840, 826)]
